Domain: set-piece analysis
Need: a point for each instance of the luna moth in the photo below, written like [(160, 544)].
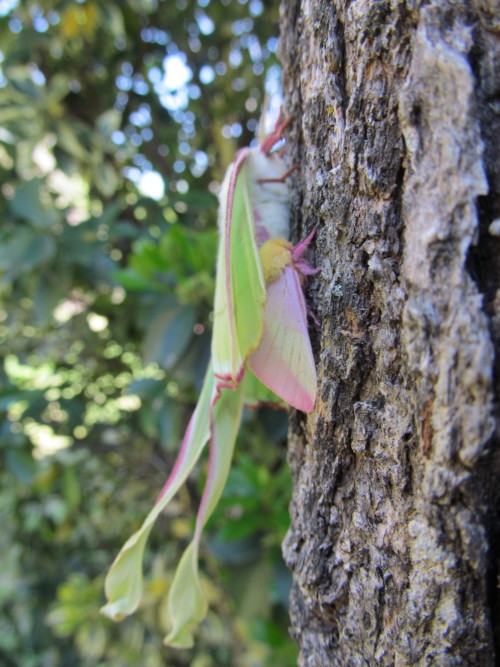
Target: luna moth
[(261, 354)]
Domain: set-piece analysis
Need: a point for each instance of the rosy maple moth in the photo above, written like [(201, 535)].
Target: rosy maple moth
[(261, 354)]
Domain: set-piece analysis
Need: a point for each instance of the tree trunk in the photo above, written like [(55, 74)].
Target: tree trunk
[(394, 543)]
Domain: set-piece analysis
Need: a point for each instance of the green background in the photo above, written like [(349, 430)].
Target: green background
[(117, 121)]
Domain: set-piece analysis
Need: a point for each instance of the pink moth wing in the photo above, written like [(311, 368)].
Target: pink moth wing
[(284, 360)]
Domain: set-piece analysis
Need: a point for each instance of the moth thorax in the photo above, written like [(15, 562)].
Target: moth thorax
[(275, 218), (264, 166), (275, 255)]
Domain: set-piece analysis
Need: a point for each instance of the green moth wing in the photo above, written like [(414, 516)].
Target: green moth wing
[(123, 584), (240, 292)]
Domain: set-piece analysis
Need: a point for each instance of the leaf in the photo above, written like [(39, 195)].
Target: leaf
[(106, 179), (109, 215), (57, 88), (113, 18), (25, 251), (70, 142), (168, 419), (76, 247), (108, 122), (12, 394), (27, 205), (20, 79), (13, 112), (20, 464), (194, 359), (124, 230), (236, 542), (168, 336), (47, 296), (71, 487), (132, 280)]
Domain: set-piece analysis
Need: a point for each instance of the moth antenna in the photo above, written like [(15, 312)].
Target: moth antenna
[(280, 119), (262, 122)]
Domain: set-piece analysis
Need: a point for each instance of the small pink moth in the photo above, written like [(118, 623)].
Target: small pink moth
[(261, 354)]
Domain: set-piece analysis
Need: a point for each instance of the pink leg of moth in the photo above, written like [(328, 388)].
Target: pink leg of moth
[(298, 251), (275, 135), (303, 268), (281, 179), (312, 316)]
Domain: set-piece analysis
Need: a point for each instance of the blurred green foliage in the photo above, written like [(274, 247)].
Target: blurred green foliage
[(117, 120)]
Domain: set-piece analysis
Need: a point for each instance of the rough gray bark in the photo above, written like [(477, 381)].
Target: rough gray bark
[(394, 543)]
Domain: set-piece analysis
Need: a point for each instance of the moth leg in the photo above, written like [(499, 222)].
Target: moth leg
[(281, 179), (301, 247), (297, 251), (313, 317), (275, 136)]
